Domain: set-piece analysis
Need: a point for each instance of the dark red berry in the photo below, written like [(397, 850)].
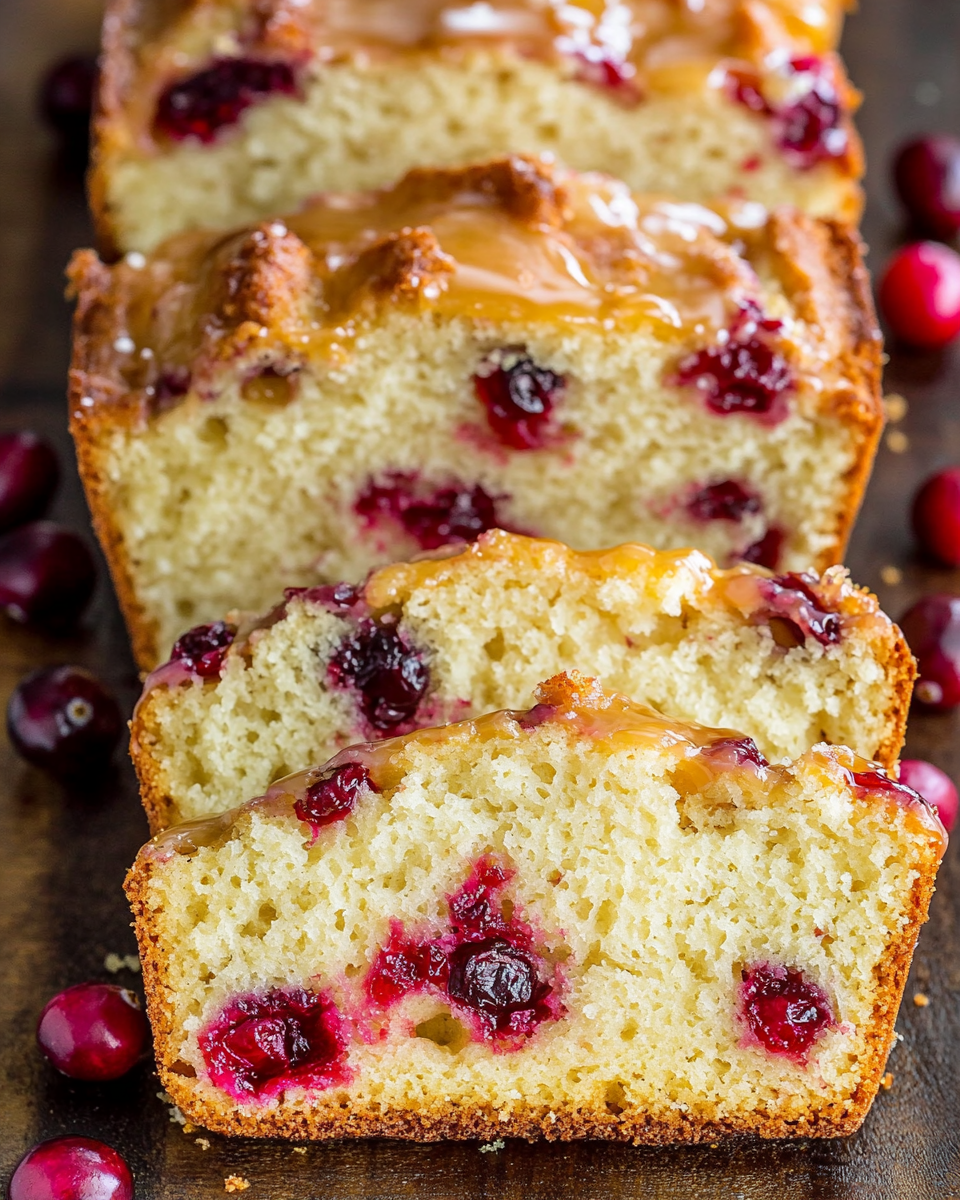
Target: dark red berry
[(500, 983), (880, 782), (744, 375), (29, 473), (203, 104), (262, 1044), (403, 966), (93, 1031), (519, 398), (66, 96), (794, 612), (203, 648), (936, 787), (783, 1012), (927, 174), (47, 575), (334, 795), (735, 752), (450, 514), (936, 516), (390, 675), (725, 501), (63, 720), (766, 551), (475, 910), (932, 630), (920, 295), (71, 1168), (810, 130)]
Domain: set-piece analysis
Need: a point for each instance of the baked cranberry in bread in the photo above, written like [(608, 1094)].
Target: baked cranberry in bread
[(513, 345), (791, 660), (214, 113), (584, 919)]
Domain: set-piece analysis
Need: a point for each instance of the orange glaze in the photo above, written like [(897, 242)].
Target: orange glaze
[(458, 243), (660, 45)]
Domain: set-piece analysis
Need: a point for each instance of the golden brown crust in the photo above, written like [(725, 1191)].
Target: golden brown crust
[(204, 1105)]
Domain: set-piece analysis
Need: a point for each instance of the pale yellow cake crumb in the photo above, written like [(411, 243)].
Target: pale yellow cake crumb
[(921, 999), (897, 442), (493, 1147), (121, 962), (891, 575), (235, 1183), (203, 1143), (887, 1081), (895, 406)]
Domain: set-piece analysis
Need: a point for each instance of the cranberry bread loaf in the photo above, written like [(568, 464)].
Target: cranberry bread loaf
[(508, 346), (581, 920), (791, 660), (214, 113)]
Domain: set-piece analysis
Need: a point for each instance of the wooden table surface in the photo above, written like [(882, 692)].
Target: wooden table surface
[(64, 857)]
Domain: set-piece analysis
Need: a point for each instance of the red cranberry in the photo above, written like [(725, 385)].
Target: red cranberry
[(71, 1168), (47, 575), (809, 131), (927, 174), (260, 1045), (932, 630), (29, 473), (334, 795), (795, 612), (744, 374), (203, 648), (766, 551), (403, 966), (500, 983), (936, 516), (936, 787), (390, 676), (475, 908), (63, 720), (451, 514), (519, 398), (736, 752), (726, 501), (66, 97), (783, 1011), (93, 1031), (203, 104), (920, 295)]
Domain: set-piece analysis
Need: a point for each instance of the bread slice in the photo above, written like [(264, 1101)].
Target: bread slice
[(582, 920), (791, 660), (512, 345), (215, 113)]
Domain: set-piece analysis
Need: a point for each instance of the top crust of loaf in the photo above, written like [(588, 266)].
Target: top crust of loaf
[(289, 292)]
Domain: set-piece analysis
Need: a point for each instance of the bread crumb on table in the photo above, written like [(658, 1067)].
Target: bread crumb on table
[(203, 1143), (895, 407), (887, 1081), (235, 1183), (121, 962), (891, 575), (299, 1149), (921, 999), (493, 1147), (897, 442)]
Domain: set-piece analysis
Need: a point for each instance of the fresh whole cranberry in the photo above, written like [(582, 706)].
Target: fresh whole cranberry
[(203, 648), (936, 516), (47, 575), (63, 720), (334, 796), (203, 104), (920, 295), (783, 1012), (932, 630), (29, 473), (936, 787), (71, 1168), (927, 175), (390, 676), (725, 501), (93, 1031), (261, 1044), (810, 129), (519, 398), (66, 98)]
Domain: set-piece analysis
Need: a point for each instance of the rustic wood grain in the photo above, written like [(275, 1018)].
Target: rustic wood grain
[(63, 857)]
